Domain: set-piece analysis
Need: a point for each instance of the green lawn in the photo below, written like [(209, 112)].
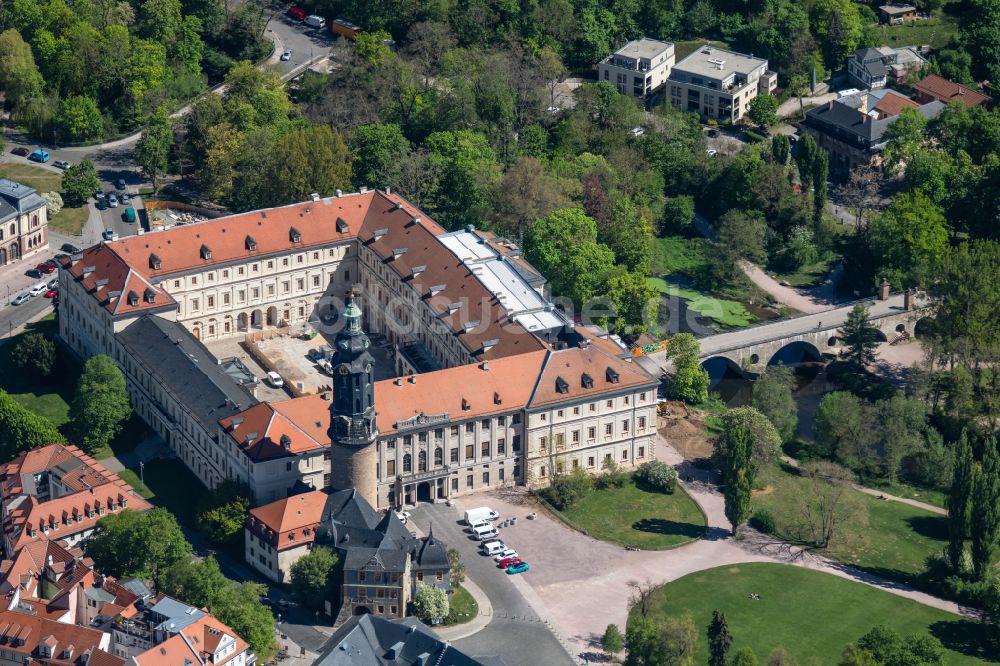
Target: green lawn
[(171, 485), (48, 397), (725, 312), (463, 607), (890, 539), (810, 275), (928, 496), (813, 615), (936, 32), (687, 47), (68, 220), (631, 515), (679, 255)]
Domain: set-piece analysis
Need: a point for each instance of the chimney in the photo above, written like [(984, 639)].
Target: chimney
[(413, 379), (314, 196), (864, 104), (883, 290), (908, 300), (829, 105), (864, 119)]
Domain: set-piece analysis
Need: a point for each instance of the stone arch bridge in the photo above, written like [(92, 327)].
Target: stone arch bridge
[(752, 349)]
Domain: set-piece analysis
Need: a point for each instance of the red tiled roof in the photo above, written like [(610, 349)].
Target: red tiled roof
[(290, 516), (946, 91), (108, 278), (99, 657), (892, 104), (267, 426), (579, 373), (31, 630)]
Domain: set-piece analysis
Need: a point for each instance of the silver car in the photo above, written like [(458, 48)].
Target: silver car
[(113, 201), (23, 297)]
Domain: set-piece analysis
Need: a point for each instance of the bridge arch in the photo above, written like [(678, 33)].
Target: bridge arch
[(797, 351), (720, 367), (923, 327)]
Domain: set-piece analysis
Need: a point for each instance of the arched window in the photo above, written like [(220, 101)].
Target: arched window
[(407, 463), (422, 461), (438, 456)]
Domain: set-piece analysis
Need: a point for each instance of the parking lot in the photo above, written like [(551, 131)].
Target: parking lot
[(289, 356)]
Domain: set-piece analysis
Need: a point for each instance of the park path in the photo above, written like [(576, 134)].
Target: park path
[(563, 560), (791, 106)]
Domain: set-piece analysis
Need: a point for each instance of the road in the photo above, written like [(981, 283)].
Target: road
[(13, 317), (516, 632)]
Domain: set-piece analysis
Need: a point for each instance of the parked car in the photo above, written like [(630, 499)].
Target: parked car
[(479, 514), (70, 248), (482, 522), (503, 555), (39, 155), (21, 298), (509, 562), (315, 355), (404, 516), (520, 567), (34, 273), (38, 289), (485, 533), (20, 151), (54, 284), (296, 13), (314, 21), (46, 268), (61, 164), (124, 197), (109, 235), (120, 183), (274, 379), (112, 201), (51, 293), (493, 547), (287, 55), (638, 131)]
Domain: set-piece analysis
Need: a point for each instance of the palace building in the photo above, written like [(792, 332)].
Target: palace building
[(491, 384)]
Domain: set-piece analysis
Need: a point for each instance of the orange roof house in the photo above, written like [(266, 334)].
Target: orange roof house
[(934, 87)]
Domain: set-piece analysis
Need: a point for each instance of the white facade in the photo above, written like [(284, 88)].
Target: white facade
[(639, 68)]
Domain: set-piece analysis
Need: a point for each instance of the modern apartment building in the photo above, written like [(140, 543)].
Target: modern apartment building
[(639, 68), (24, 222), (719, 84)]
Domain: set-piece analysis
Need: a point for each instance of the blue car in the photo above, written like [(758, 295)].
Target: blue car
[(518, 568), (39, 155)]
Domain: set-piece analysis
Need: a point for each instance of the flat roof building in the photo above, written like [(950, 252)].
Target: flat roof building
[(718, 83), (639, 68)]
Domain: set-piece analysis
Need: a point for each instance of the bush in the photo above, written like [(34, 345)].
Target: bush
[(763, 521), (754, 137), (657, 476), (568, 489), (35, 354), (613, 477)]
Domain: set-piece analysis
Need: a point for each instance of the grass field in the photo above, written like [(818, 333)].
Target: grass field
[(68, 220), (463, 607), (890, 539), (631, 515), (936, 32), (48, 397), (926, 495), (687, 47), (679, 255), (810, 275), (171, 485), (725, 312), (813, 615)]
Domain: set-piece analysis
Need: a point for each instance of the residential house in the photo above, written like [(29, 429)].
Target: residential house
[(932, 87), (38, 640), (873, 68), (719, 84), (897, 13), (58, 492), (639, 69), (24, 222)]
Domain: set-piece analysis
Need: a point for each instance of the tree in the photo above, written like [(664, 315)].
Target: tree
[(781, 149), (564, 247), (719, 639), (223, 512), (773, 396), (829, 504), (101, 404), (372, 47), (846, 429), (429, 603), (133, 543), (740, 235), (985, 518), (763, 110), (80, 119), (379, 151), (657, 475), (678, 214), (765, 442), (633, 302), (34, 354), (903, 137), (527, 193), (22, 429), (690, 382), (457, 567), (611, 642), (312, 576), (860, 338), (960, 503), (53, 203), (909, 238), (80, 182), (153, 149), (737, 495), (303, 161), (779, 657), (745, 657), (19, 76), (883, 646), (671, 640)]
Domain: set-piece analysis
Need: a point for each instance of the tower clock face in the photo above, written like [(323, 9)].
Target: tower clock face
[(343, 370), (368, 367)]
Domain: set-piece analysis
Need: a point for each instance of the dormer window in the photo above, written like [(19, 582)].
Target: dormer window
[(561, 385), (133, 299), (294, 235), (612, 375), (149, 295), (250, 243), (154, 262), (587, 381), (342, 226), (206, 252)]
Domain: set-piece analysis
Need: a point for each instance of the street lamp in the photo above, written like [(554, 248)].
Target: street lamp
[(142, 475)]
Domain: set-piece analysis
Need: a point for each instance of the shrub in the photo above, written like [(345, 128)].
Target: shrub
[(613, 477), (754, 137), (657, 476), (567, 489), (763, 521)]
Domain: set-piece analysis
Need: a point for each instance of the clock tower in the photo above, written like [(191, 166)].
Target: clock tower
[(353, 429)]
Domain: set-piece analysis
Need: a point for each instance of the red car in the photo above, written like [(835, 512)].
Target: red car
[(296, 13), (21, 151), (51, 293), (509, 562), (46, 268)]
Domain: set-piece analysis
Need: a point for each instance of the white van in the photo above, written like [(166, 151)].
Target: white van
[(480, 514), (485, 532), (314, 21), (475, 524), (493, 547)]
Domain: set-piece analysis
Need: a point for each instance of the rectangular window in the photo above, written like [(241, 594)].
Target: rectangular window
[(454, 431), (608, 429), (576, 411), (300, 284), (390, 468), (470, 427), (593, 407), (501, 446), (485, 449), (576, 464), (590, 461), (624, 455), (610, 404), (469, 451), (576, 436), (315, 280), (211, 301), (453, 456), (642, 452), (454, 484), (642, 397), (516, 419), (591, 432), (225, 299), (625, 425), (501, 420), (468, 481), (642, 422), (486, 477), (543, 443), (486, 424)]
